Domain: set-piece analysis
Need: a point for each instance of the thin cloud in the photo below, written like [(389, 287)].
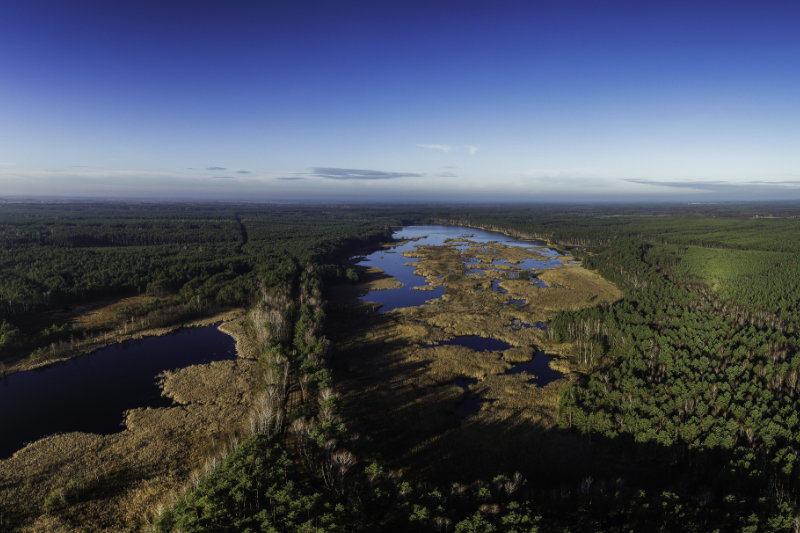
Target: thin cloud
[(785, 182), (472, 149), (753, 187), (243, 172), (360, 174), (290, 179), (216, 168), (224, 177), (440, 147), (446, 175), (701, 185)]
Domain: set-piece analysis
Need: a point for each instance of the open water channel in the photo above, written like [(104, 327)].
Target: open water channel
[(91, 393), (415, 291), (395, 264)]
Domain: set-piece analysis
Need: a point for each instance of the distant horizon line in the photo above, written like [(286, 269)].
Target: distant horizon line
[(70, 199)]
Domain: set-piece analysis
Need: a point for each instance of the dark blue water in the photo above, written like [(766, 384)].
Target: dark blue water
[(517, 325), (400, 267), (477, 343), (497, 288), (531, 264), (90, 393), (539, 283), (539, 368), (541, 375)]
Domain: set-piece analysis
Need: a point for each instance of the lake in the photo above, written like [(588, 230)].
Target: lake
[(394, 263), (91, 393)]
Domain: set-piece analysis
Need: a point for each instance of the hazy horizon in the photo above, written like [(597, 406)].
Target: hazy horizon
[(400, 102)]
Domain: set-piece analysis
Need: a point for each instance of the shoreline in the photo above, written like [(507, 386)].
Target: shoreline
[(419, 382), (150, 461), (560, 247), (225, 317)]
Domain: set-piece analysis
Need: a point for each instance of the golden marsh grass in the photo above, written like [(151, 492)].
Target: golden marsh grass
[(388, 363), (119, 480)]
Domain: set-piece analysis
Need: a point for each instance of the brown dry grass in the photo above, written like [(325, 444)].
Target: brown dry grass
[(109, 338), (124, 477), (387, 366), (578, 287), (379, 281), (105, 316)]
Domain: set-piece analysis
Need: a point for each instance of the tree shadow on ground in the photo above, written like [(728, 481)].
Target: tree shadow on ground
[(414, 424)]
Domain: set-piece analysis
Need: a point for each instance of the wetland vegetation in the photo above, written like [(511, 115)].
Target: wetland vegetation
[(90, 393), (584, 369)]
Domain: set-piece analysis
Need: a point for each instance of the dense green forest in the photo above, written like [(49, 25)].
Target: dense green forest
[(688, 390), (692, 377), (688, 396), (193, 259)]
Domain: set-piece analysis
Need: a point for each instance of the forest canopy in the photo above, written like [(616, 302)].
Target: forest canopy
[(687, 389)]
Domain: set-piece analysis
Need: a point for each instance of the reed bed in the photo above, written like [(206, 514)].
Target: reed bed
[(79, 481), (392, 365)]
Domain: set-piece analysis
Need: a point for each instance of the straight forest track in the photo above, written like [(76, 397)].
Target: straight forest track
[(242, 230)]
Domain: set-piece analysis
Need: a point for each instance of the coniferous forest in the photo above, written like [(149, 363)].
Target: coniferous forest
[(684, 396)]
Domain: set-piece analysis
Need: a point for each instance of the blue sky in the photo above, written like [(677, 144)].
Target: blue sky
[(394, 101)]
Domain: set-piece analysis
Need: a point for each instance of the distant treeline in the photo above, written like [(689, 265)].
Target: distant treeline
[(56, 255), (688, 391)]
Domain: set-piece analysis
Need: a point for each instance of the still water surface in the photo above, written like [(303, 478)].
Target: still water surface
[(90, 393), (477, 343), (538, 369), (393, 263)]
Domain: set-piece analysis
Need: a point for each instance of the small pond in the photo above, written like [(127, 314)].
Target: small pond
[(477, 343), (517, 325), (90, 393), (497, 288), (539, 367), (539, 283)]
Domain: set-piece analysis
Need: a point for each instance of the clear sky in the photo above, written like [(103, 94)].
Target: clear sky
[(553, 100)]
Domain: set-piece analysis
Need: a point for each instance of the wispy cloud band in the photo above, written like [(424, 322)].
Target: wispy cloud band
[(472, 149), (440, 147), (360, 174), (715, 185)]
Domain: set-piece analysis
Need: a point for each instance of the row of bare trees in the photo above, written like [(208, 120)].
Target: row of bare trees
[(297, 399), (271, 322)]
